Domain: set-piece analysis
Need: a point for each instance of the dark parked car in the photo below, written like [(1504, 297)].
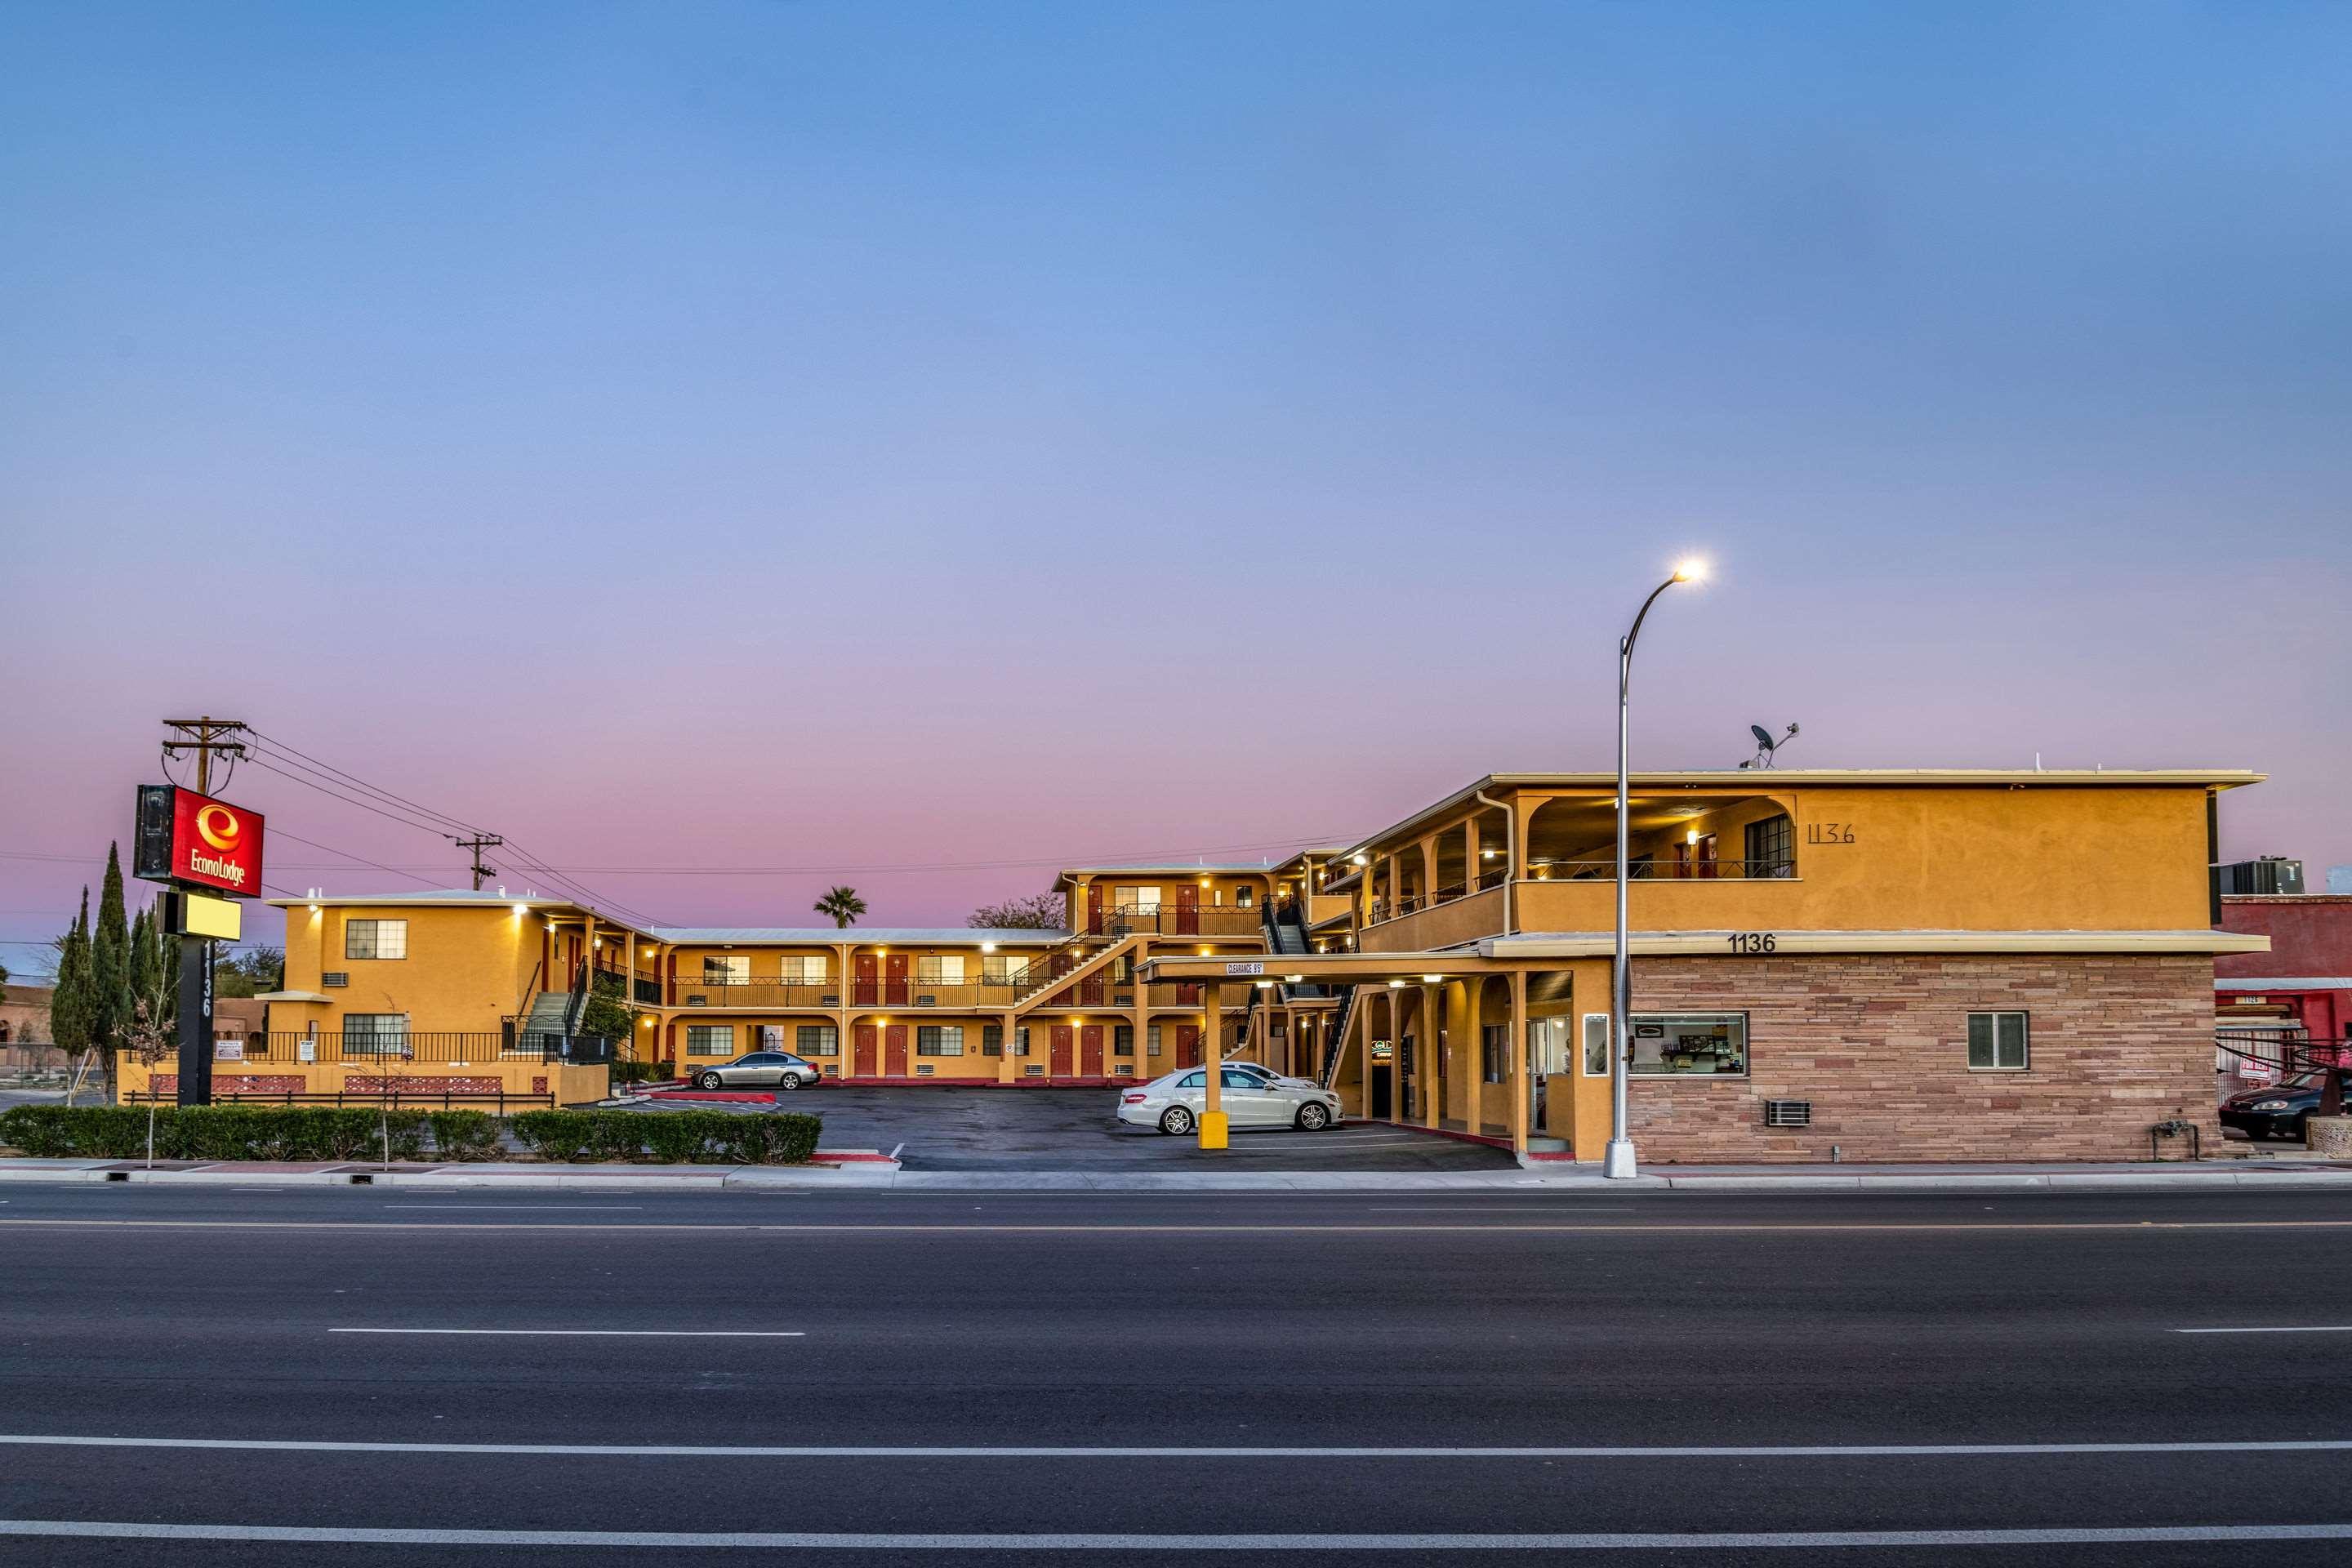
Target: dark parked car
[(2278, 1111), (781, 1068)]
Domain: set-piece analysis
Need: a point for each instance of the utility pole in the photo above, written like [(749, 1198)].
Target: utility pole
[(203, 736), (478, 844)]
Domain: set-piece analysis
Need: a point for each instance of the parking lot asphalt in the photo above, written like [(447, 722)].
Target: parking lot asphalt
[(1074, 1129)]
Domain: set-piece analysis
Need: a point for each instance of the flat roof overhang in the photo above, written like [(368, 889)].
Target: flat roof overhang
[(1768, 781), (1501, 955)]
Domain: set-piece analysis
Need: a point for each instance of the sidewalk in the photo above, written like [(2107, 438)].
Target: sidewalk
[(869, 1170)]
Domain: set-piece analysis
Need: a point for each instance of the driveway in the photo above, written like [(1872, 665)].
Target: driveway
[(1072, 1128)]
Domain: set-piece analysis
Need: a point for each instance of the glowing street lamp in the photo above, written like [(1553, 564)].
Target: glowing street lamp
[(1618, 1161)]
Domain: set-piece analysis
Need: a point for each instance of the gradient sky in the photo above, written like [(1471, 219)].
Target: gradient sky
[(828, 436)]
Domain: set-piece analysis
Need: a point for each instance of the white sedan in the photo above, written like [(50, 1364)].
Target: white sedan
[(1252, 1097)]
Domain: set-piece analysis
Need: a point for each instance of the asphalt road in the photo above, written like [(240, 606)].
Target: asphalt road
[(1077, 1129), (1146, 1378)]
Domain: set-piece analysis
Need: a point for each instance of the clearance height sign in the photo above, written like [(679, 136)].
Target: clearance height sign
[(188, 838)]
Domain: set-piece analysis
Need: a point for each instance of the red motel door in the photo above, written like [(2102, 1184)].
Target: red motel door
[(868, 989), (1090, 989), (1707, 854), (1090, 1048), (1060, 1066), (1188, 910), (894, 1050), (1094, 909), (863, 1055), (1188, 1044), (894, 981)]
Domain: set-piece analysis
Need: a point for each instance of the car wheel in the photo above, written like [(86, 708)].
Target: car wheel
[(790, 1080), (709, 1080), (1314, 1116), (1176, 1120)]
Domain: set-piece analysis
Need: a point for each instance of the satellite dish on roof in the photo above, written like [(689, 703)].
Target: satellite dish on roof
[(1766, 748)]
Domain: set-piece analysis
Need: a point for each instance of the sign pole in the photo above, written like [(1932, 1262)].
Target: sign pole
[(195, 1020)]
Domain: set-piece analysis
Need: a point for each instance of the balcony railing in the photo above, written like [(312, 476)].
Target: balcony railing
[(442, 1049), (1652, 869), (1174, 920)]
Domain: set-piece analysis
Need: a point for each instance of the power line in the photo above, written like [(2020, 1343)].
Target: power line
[(300, 757)]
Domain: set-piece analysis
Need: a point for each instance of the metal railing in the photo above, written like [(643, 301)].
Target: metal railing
[(395, 1099), (437, 1047), (1652, 869)]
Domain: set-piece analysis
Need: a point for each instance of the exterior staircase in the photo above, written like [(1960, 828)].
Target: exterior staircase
[(551, 1014), (1058, 968)]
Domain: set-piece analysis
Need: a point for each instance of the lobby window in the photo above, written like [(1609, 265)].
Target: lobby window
[(711, 1039), (991, 1039), (938, 1041), (940, 968), (1122, 1040), (1772, 847), (1494, 1053), (375, 1034), (1689, 1045), (1151, 1039), (726, 969), (818, 1040), (1596, 1045), (802, 969), (375, 939), (1021, 1041), (1997, 1042)]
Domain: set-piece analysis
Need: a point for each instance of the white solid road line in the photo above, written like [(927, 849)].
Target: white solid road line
[(820, 1540), (606, 1333), (540, 1208), (780, 1451), (2315, 1329)]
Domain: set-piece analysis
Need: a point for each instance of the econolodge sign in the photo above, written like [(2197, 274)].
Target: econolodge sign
[(185, 836)]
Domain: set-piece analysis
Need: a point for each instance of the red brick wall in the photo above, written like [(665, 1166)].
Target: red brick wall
[(1879, 1044)]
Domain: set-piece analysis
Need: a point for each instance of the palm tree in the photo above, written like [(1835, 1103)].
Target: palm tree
[(842, 904)]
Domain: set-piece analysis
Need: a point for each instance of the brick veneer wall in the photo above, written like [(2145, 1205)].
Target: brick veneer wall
[(1878, 1043)]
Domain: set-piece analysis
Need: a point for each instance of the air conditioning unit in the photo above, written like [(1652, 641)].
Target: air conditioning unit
[(1788, 1113), (334, 978), (698, 1001), (926, 1001), (922, 1069)]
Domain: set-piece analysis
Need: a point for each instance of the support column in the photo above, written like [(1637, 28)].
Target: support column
[(1008, 1070), (1213, 1118), (1522, 1085), (1432, 1017), (1395, 1003)]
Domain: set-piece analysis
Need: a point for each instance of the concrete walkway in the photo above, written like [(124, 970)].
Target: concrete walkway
[(866, 1170)]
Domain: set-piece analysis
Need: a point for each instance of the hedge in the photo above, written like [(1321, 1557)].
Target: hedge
[(669, 1137), (213, 1132), (355, 1133)]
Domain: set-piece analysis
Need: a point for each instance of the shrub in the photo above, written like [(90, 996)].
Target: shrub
[(349, 1132), (212, 1131), (625, 1072), (465, 1134), (670, 1137)]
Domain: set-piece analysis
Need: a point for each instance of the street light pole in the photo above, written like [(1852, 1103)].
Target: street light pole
[(1618, 1162)]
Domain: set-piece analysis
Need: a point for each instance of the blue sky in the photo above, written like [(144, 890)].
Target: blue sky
[(808, 430)]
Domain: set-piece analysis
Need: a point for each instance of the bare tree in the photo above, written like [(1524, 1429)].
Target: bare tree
[(148, 1041), (1038, 911)]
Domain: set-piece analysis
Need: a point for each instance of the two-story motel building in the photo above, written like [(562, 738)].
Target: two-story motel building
[(1899, 964)]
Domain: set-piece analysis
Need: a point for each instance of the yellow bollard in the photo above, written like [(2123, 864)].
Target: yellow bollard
[(1212, 1129)]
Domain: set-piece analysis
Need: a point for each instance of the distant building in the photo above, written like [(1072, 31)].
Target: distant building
[(2306, 976), (24, 1014)]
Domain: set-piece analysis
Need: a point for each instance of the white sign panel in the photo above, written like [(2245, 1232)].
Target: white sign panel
[(1246, 968)]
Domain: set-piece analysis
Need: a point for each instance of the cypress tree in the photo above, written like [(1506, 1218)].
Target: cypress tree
[(69, 1004), (151, 981), (110, 966)]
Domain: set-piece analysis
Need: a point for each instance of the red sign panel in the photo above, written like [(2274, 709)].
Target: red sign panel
[(215, 843)]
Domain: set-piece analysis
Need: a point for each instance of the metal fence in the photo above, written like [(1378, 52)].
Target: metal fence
[(376, 1049)]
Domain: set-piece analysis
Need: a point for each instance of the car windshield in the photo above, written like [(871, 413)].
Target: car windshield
[(2307, 1079)]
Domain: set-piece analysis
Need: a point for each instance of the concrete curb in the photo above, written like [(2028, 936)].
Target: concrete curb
[(871, 1173)]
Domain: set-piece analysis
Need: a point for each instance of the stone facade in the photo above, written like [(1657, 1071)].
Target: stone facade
[(1878, 1044)]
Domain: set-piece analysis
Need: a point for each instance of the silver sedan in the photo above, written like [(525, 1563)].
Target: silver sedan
[(781, 1069), (1250, 1097)]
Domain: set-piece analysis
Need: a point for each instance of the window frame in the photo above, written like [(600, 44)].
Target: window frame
[(375, 929), (828, 1036), (1584, 1046), (931, 1040), (392, 1042), (1634, 1021), (710, 1031), (2025, 1017), (1785, 862)]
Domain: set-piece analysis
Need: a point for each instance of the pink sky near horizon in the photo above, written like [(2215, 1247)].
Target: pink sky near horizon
[(830, 435)]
